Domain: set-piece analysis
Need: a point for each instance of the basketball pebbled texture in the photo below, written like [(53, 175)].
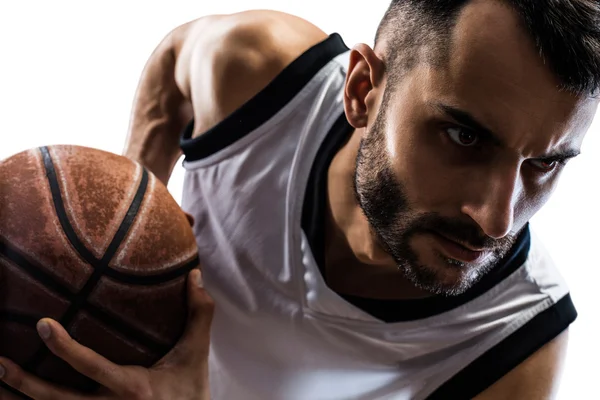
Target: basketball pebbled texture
[(95, 241)]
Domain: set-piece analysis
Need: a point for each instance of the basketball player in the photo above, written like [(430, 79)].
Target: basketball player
[(362, 215)]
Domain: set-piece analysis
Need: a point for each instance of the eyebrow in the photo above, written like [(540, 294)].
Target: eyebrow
[(467, 120), (560, 155)]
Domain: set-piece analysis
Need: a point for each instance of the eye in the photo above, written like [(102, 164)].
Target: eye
[(462, 137), (546, 165)]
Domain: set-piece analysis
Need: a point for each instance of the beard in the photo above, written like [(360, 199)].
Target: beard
[(394, 223)]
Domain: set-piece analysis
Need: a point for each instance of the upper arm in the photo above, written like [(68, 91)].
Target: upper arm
[(225, 60), (206, 69), (536, 378)]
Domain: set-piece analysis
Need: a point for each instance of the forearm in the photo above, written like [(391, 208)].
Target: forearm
[(160, 112)]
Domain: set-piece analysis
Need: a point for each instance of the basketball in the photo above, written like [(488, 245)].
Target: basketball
[(95, 241)]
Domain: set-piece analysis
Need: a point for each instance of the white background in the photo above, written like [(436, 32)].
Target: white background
[(69, 70)]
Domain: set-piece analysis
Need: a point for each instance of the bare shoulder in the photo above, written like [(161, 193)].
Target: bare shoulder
[(224, 60), (536, 378)]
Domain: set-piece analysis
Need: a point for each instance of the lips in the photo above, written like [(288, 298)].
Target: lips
[(457, 251)]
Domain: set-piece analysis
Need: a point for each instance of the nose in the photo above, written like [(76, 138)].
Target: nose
[(492, 206)]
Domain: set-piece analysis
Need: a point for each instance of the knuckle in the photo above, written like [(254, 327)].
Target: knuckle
[(139, 390), (14, 375), (95, 371), (205, 300), (203, 310), (208, 304), (16, 379)]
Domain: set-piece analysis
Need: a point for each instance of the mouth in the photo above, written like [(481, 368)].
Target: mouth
[(459, 251)]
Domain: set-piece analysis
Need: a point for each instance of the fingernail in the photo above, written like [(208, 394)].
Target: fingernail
[(199, 281), (43, 329), (2, 371)]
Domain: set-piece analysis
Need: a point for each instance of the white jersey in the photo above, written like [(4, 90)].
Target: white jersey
[(255, 185)]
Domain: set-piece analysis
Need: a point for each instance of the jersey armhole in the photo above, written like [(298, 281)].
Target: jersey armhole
[(506, 355), (265, 104)]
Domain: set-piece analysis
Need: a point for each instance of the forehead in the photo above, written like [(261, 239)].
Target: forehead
[(495, 73)]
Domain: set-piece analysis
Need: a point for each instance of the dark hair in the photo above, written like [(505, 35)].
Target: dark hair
[(565, 32)]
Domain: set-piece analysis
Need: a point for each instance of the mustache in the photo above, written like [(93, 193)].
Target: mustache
[(468, 234)]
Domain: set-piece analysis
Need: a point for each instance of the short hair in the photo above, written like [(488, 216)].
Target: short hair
[(566, 34)]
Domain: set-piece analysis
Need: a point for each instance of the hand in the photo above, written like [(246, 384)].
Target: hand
[(182, 374)]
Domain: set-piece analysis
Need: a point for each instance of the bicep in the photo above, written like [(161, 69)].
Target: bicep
[(536, 378)]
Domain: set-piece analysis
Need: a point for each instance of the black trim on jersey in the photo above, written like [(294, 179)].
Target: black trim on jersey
[(512, 351), (313, 217), (315, 200), (412, 309), (263, 105)]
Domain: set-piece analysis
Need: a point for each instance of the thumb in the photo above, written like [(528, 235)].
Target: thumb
[(200, 312), (193, 346)]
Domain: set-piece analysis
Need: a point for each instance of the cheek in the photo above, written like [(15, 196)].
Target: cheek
[(423, 164), (532, 200), (428, 183)]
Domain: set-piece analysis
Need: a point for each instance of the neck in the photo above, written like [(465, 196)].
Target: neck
[(355, 264)]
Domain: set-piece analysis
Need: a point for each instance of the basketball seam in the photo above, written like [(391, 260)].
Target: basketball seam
[(73, 220), (153, 279), (39, 275), (35, 272), (99, 266)]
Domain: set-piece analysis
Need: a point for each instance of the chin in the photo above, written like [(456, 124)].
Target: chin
[(430, 270), (445, 282)]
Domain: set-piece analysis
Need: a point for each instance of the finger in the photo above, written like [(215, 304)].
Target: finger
[(32, 386), (83, 359), (8, 393), (200, 311), (192, 348)]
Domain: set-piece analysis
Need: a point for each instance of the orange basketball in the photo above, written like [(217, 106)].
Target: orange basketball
[(96, 242)]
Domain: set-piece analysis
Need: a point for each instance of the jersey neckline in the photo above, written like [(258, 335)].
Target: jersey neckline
[(391, 311)]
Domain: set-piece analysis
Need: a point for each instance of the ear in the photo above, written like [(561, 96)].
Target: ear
[(364, 78), (189, 218)]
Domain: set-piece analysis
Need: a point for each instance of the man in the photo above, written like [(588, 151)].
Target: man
[(362, 216)]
